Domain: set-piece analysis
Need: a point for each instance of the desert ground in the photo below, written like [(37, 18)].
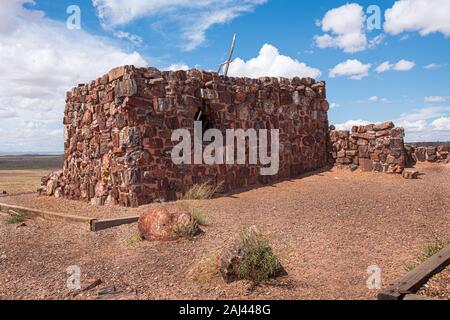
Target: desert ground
[(327, 228), (22, 174)]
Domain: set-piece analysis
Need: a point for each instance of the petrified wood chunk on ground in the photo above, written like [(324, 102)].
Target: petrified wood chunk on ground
[(421, 154), (161, 224), (410, 174)]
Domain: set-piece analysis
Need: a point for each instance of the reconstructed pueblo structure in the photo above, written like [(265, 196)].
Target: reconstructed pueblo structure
[(118, 134)]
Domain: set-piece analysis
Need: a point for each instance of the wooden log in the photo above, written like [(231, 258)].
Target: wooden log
[(91, 286), (415, 297), (7, 208), (98, 225), (413, 280)]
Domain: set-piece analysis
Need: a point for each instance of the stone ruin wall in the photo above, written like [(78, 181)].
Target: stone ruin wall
[(438, 154), (118, 132), (372, 147)]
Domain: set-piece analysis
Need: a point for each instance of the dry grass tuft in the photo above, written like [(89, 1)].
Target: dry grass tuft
[(206, 270), (202, 191), (199, 216), (134, 239)]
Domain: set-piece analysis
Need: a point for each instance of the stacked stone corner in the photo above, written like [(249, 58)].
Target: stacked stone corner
[(373, 147)]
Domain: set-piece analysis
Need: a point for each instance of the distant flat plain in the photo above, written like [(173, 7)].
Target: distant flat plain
[(22, 173)]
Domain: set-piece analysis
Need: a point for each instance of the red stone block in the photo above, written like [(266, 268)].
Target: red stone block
[(366, 165)]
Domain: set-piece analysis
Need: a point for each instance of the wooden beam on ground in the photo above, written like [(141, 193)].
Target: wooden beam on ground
[(415, 297), (97, 225), (414, 279), (7, 208)]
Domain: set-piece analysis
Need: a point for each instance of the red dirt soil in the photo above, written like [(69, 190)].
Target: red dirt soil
[(327, 229)]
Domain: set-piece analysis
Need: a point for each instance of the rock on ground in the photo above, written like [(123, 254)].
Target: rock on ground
[(161, 224), (410, 174)]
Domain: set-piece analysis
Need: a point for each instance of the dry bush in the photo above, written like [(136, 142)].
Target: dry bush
[(202, 191), (197, 214), (206, 270)]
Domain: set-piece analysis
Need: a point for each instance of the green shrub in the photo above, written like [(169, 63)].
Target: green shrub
[(431, 249), (15, 219), (427, 252), (258, 262), (198, 216), (187, 231)]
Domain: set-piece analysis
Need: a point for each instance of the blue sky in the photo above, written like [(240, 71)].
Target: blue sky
[(40, 58)]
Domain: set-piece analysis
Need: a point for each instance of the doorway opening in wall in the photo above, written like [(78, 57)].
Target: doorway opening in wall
[(204, 116)]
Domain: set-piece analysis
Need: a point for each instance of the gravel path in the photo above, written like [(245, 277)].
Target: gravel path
[(438, 287), (327, 228)]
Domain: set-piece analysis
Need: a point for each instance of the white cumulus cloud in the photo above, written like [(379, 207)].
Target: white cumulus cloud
[(433, 66), (404, 65), (435, 99), (352, 68), (401, 65), (7, 113), (40, 59), (385, 66), (374, 100), (425, 114), (176, 67), (421, 125), (442, 123), (345, 28), (423, 16), (426, 124), (334, 105), (135, 39), (414, 127), (271, 63), (351, 123), (192, 17)]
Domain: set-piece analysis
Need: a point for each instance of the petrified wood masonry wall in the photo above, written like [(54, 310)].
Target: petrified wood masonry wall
[(118, 132), (438, 153), (374, 147)]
